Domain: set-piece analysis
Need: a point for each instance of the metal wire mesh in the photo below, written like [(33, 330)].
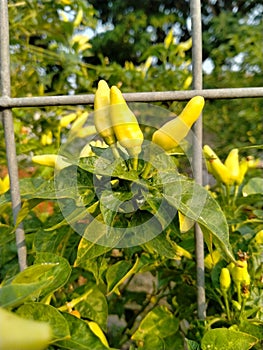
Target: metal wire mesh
[(7, 103)]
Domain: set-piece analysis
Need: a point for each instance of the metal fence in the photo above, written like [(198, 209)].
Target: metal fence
[(7, 103)]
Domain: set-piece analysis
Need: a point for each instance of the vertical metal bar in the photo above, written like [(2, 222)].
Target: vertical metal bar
[(195, 10), (5, 90)]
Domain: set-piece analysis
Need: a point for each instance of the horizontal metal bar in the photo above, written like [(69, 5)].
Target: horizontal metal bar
[(8, 102)]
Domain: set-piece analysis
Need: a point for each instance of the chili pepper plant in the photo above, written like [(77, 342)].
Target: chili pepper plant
[(109, 211)]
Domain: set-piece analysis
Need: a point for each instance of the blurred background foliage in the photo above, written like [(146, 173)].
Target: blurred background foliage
[(65, 47)]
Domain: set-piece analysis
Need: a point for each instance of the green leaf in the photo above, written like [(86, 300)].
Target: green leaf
[(49, 273), (26, 285), (152, 342), (88, 250), (192, 345), (255, 329), (59, 275), (254, 186), (25, 210), (4, 199), (98, 239), (46, 313), (108, 167), (65, 185), (94, 307), (164, 246), (28, 186), (227, 339), (81, 337), (118, 273), (197, 204), (15, 294), (51, 242), (76, 215), (159, 322), (110, 203)]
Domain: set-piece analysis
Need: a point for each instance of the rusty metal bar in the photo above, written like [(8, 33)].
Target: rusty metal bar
[(7, 117), (195, 10), (209, 94)]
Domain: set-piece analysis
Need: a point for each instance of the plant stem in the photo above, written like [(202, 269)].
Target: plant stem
[(243, 304), (238, 285), (146, 170), (115, 151), (228, 195), (59, 136), (135, 163), (71, 304), (235, 195), (227, 305)]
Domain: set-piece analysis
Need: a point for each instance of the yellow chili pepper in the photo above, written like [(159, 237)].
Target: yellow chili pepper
[(51, 160), (212, 259), (243, 167), (23, 334), (47, 138), (253, 163), (240, 273), (79, 122), (125, 124), (216, 167), (225, 279), (232, 164), (67, 119), (174, 131), (4, 184), (102, 118), (258, 239)]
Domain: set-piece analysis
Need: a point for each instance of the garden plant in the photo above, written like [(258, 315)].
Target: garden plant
[(109, 200)]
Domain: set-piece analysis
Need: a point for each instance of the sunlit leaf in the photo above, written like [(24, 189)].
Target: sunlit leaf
[(227, 339), (81, 337), (46, 313), (159, 321), (118, 273)]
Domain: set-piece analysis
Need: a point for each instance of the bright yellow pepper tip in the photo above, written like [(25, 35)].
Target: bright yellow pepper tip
[(4, 184), (232, 163), (173, 132), (216, 167), (125, 124), (225, 279), (102, 117)]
